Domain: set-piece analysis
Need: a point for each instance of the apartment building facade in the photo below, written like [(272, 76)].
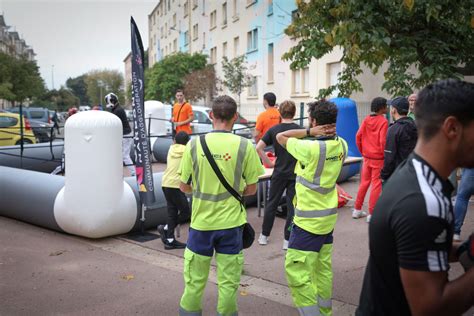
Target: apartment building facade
[(11, 43), (254, 28)]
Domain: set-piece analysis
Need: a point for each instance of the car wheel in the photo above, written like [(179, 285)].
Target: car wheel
[(25, 141)]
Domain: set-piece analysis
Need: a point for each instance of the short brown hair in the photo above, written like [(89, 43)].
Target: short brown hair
[(287, 109), (224, 108)]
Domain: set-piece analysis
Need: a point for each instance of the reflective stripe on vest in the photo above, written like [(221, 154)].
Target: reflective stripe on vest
[(316, 184), (315, 213), (237, 174), (183, 312), (312, 310), (324, 303)]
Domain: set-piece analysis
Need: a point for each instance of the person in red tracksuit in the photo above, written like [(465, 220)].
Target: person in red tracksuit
[(370, 140)]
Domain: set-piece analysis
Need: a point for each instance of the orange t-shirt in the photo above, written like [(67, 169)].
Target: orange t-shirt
[(182, 112), (267, 119)]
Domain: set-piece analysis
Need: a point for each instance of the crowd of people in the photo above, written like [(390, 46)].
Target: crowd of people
[(413, 231)]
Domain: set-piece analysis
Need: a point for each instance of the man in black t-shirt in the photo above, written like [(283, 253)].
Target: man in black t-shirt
[(283, 177), (411, 231)]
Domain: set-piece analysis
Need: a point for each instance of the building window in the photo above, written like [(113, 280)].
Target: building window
[(213, 19), (235, 10), (253, 90), (270, 7), (270, 62), (175, 45), (186, 38), (161, 32), (224, 13), (174, 20), (300, 81), (203, 40), (236, 46), (252, 40), (166, 30), (186, 8), (250, 2), (333, 71), (306, 80), (213, 55), (224, 49), (195, 4), (195, 32)]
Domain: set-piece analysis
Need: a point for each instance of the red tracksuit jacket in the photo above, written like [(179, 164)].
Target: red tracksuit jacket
[(371, 136)]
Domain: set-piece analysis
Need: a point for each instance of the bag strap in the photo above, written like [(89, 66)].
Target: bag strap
[(218, 173), (179, 111)]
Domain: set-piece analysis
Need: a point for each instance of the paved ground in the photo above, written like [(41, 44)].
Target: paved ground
[(48, 273)]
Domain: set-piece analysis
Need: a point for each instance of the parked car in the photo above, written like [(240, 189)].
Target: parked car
[(40, 122), (202, 122), (10, 130)]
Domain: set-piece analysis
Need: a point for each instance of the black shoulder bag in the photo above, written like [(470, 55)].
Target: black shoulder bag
[(248, 234)]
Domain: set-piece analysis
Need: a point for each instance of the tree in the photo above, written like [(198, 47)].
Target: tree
[(78, 87), (19, 79), (431, 37), (167, 75), (201, 84), (236, 77), (61, 99), (101, 82)]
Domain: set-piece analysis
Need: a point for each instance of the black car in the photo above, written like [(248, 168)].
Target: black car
[(44, 132)]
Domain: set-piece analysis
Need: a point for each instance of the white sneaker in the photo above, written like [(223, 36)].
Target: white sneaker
[(285, 244), (457, 237), (368, 218), (262, 239), (358, 214)]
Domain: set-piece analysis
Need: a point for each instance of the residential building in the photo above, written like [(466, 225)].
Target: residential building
[(255, 28)]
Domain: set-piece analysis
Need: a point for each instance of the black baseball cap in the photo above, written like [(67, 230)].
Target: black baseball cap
[(400, 103)]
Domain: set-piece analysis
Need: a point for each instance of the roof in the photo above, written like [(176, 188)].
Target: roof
[(128, 56), (2, 20), (155, 8)]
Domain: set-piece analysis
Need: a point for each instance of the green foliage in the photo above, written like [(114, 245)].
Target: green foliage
[(166, 76), (101, 82), (201, 84), (19, 79), (421, 41), (61, 100), (78, 87), (236, 77)]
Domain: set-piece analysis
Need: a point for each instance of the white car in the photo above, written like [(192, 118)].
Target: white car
[(202, 122)]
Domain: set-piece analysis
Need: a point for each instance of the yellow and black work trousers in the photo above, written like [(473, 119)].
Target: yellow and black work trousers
[(197, 262), (308, 267)]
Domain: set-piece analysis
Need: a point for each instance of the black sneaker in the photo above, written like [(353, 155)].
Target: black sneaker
[(174, 245), (162, 231)]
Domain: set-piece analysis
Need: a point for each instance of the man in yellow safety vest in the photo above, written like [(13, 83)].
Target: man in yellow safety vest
[(319, 161)]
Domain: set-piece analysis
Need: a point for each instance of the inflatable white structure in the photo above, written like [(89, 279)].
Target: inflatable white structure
[(95, 201)]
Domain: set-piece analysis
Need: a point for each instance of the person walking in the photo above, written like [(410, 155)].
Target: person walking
[(182, 114), (267, 118), (176, 201), (217, 217), (112, 103), (465, 190), (401, 137), (55, 120), (283, 177), (411, 231), (308, 262), (370, 140)]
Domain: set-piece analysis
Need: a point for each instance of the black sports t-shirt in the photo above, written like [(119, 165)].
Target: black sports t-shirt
[(285, 163), (411, 228)]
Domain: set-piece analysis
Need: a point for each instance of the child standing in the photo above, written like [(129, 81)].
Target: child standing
[(370, 140), (176, 200)]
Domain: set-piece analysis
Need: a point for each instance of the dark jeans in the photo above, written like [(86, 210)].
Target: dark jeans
[(178, 209), (277, 187), (465, 190)]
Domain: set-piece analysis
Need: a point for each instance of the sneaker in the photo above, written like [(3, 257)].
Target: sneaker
[(358, 214), (262, 239), (162, 232), (174, 245), (285, 244), (457, 237), (368, 218)]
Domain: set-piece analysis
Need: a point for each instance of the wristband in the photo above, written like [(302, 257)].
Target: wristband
[(308, 132)]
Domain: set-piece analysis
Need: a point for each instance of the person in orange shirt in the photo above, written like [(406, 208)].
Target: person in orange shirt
[(182, 114), (268, 118)]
